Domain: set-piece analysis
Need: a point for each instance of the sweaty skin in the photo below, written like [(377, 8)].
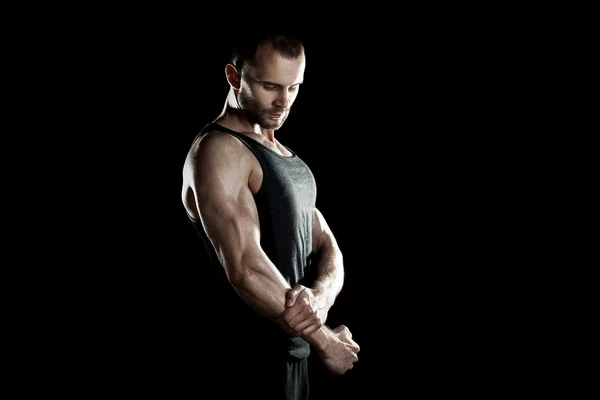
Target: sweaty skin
[(220, 178)]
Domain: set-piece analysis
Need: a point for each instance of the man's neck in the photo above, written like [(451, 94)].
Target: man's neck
[(234, 118)]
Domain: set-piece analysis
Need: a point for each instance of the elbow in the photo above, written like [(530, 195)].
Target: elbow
[(238, 275), (241, 269)]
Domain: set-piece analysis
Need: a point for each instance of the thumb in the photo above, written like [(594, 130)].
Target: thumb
[(292, 294)]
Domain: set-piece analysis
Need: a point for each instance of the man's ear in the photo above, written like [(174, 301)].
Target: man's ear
[(233, 77)]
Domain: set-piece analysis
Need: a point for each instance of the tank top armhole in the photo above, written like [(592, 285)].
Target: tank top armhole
[(217, 127)]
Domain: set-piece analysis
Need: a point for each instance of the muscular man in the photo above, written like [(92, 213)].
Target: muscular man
[(253, 202)]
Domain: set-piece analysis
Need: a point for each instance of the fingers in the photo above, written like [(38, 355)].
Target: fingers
[(292, 294), (353, 345), (308, 326), (304, 328), (346, 336), (300, 305), (297, 311), (284, 325), (304, 320), (298, 316), (311, 329)]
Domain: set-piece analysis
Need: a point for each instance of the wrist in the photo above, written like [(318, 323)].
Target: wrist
[(320, 339)]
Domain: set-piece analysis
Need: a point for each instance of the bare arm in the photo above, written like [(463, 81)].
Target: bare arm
[(218, 172), (330, 263), (308, 307)]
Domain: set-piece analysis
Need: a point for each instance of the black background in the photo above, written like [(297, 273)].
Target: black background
[(405, 132), (385, 143)]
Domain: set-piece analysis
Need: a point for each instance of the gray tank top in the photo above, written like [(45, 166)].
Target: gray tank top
[(285, 204)]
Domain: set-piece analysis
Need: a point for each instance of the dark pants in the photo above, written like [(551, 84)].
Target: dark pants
[(264, 379)]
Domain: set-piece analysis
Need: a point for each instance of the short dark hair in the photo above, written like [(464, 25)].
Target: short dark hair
[(243, 50)]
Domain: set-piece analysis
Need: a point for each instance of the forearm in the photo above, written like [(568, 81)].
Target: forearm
[(265, 293), (329, 273), (263, 289), (320, 338)]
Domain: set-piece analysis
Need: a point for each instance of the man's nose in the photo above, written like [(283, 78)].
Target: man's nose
[(283, 99)]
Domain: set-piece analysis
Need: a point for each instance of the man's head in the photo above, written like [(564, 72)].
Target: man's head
[(266, 73)]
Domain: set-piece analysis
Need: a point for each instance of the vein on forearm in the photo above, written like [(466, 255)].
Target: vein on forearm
[(263, 289)]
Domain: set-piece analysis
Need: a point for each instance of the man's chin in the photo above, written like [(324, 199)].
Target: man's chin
[(274, 125)]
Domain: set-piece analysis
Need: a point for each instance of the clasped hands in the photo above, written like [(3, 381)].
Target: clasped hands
[(306, 312)]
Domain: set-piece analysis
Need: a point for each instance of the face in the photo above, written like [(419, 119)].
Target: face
[(269, 87)]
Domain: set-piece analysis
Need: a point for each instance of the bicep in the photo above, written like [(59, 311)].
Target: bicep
[(231, 224), (227, 209)]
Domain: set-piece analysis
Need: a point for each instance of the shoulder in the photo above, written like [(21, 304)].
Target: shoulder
[(216, 152), (216, 142), (213, 146)]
